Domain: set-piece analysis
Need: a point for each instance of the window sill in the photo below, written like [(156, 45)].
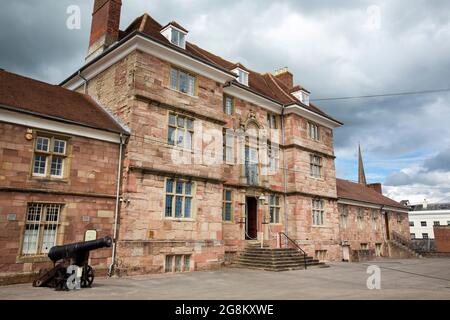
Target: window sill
[(320, 226), (185, 94), (228, 222), (47, 179), (179, 219), (32, 258)]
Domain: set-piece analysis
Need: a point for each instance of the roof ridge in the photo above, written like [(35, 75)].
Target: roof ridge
[(271, 77), (143, 22)]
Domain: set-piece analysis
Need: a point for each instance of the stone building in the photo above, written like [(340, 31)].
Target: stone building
[(59, 155), (370, 223), (203, 171)]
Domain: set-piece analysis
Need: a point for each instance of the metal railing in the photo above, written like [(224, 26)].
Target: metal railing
[(296, 246)]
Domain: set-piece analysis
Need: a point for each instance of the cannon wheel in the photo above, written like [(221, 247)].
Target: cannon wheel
[(88, 277)]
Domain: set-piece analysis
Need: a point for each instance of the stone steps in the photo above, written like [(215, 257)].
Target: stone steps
[(274, 259), (403, 247)]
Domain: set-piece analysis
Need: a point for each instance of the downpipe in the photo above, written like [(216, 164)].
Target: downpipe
[(284, 178)]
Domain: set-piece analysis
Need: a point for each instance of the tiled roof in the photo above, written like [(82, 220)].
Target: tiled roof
[(46, 100), (264, 84), (359, 192)]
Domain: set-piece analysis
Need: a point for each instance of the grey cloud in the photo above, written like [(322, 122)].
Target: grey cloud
[(440, 162)]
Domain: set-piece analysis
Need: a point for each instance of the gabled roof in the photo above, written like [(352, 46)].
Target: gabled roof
[(264, 84), (359, 192), (19, 93)]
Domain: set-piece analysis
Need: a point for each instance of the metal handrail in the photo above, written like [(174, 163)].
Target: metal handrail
[(296, 245)]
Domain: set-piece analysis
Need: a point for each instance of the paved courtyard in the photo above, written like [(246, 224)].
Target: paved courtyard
[(400, 279)]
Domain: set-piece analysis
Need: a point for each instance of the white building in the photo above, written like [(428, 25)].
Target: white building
[(423, 217)]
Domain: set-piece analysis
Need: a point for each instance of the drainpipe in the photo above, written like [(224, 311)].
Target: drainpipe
[(85, 81), (116, 213), (284, 178)]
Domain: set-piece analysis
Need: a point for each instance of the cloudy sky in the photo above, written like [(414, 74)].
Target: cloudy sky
[(334, 48)]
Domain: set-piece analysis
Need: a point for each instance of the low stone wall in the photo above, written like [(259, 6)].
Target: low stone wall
[(362, 255)]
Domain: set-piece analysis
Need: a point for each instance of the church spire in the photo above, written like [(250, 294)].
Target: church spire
[(361, 174)]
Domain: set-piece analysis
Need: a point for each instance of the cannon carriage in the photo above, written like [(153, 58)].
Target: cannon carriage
[(66, 255)]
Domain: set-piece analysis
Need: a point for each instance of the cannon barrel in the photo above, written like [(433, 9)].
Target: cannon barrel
[(74, 249)]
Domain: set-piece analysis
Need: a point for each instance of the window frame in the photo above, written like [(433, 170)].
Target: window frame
[(189, 75), (274, 209), (318, 213), (176, 128), (174, 195), (42, 223), (360, 218), (313, 131), (423, 224), (343, 216), (171, 267), (225, 97), (272, 121), (49, 156), (224, 205), (273, 154), (315, 166), (228, 150)]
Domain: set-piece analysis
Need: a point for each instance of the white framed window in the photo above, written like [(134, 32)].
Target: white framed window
[(313, 131), (228, 146), (321, 255), (273, 154), (177, 263), (423, 223), (411, 223), (360, 218), (274, 211), (424, 235), (182, 81), (41, 227), (180, 131), (228, 105), (305, 98), (364, 246), (178, 38), (242, 76), (343, 215), (436, 223), (178, 202), (315, 166), (413, 236), (317, 212), (227, 214), (49, 157), (272, 121)]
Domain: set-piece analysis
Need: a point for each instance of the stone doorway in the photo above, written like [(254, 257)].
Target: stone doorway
[(251, 218)]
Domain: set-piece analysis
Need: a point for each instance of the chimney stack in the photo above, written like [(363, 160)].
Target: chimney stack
[(376, 186), (285, 76), (105, 26)]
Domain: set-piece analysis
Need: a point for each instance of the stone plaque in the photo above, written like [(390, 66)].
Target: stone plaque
[(90, 235), (11, 217)]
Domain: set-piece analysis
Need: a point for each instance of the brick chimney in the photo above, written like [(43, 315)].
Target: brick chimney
[(286, 77), (376, 187), (105, 26)]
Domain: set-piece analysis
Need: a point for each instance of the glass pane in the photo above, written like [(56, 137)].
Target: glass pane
[(169, 186), (173, 79), (169, 205), (187, 263), (181, 40), (272, 200), (188, 144), (271, 215), (178, 263), (56, 167), (277, 200), (227, 212), (175, 37), (190, 124), (30, 239), (183, 82), (39, 164), (277, 215), (172, 119), (191, 85), (34, 212), (179, 189), (169, 260), (188, 188), (42, 144), (180, 137), (227, 195), (187, 207), (52, 213), (49, 238), (171, 136), (181, 122), (178, 207), (59, 146)]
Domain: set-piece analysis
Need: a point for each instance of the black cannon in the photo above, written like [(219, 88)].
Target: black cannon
[(67, 255)]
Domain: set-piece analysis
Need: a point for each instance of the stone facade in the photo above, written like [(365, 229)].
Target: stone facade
[(86, 194)]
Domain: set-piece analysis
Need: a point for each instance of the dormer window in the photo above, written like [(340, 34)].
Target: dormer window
[(302, 95), (242, 76), (175, 34)]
